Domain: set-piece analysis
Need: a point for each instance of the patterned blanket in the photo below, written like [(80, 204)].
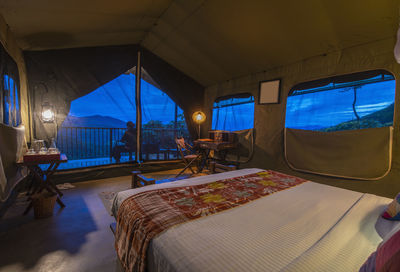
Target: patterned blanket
[(143, 216)]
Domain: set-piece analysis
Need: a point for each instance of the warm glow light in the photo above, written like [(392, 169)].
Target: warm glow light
[(198, 117), (48, 114)]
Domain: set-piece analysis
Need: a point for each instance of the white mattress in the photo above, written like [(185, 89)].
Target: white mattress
[(311, 227)]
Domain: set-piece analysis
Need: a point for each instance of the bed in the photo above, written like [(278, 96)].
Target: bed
[(309, 227)]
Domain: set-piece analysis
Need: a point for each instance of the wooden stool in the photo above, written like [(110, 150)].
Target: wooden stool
[(140, 180)]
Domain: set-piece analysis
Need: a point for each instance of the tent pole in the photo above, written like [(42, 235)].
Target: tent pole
[(138, 76), (176, 120)]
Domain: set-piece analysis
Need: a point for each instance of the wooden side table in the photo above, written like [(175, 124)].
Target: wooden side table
[(40, 179)]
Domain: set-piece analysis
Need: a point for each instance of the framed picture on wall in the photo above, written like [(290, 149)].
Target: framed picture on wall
[(269, 92)]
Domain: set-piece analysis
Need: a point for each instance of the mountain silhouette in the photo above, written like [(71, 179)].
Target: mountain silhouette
[(97, 121)]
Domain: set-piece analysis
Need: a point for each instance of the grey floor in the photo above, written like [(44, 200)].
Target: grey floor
[(76, 238), (72, 164)]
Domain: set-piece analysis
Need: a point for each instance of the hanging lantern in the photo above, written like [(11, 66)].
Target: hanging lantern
[(48, 115)]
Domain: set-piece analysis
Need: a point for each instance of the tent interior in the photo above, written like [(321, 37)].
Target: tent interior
[(308, 87)]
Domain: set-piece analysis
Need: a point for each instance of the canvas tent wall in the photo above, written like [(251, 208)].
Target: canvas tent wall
[(12, 139), (8, 41), (270, 119), (60, 76)]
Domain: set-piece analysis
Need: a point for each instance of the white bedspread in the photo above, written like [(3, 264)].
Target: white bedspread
[(311, 227)]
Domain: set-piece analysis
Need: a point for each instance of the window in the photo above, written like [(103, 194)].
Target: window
[(356, 101), (11, 103), (233, 112), (10, 110)]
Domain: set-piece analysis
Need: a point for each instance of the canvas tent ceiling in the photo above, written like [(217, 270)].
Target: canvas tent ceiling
[(211, 41)]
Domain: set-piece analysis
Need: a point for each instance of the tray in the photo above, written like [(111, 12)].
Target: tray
[(43, 158)]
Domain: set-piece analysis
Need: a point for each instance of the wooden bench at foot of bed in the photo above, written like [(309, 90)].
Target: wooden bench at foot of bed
[(140, 180), (220, 168)]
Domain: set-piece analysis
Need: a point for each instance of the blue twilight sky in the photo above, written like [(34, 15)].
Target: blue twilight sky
[(308, 111), (117, 99), (329, 108), (236, 117)]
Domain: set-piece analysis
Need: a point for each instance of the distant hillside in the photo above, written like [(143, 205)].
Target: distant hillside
[(381, 118), (93, 121), (312, 127)]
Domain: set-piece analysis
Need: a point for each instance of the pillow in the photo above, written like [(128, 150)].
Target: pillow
[(394, 230), (384, 226), (369, 265), (392, 211), (387, 256)]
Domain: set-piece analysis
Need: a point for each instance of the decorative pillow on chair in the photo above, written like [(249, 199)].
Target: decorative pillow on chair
[(392, 211)]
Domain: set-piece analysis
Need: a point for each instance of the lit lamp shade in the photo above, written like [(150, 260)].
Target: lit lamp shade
[(198, 117), (48, 114)]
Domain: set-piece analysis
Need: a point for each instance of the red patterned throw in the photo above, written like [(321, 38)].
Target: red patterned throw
[(143, 216)]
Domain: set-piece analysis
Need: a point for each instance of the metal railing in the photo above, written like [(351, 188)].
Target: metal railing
[(89, 143)]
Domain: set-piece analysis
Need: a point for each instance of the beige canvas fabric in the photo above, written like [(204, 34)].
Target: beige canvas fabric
[(12, 146), (360, 154), (269, 119), (397, 47)]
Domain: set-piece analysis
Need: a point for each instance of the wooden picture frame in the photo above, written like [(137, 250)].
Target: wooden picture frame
[(269, 92)]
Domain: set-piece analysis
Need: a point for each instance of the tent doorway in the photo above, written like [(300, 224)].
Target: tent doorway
[(94, 129)]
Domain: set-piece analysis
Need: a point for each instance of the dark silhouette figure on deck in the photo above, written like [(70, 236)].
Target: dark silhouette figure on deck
[(128, 143)]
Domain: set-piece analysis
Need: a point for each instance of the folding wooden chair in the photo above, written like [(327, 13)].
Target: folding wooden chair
[(188, 156)]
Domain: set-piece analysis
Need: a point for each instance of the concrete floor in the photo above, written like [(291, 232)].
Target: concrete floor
[(76, 238), (72, 164)]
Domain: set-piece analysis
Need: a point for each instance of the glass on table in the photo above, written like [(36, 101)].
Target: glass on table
[(31, 151), (43, 150), (37, 145)]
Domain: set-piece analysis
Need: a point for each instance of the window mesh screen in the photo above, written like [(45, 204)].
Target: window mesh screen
[(233, 113), (11, 103), (365, 103)]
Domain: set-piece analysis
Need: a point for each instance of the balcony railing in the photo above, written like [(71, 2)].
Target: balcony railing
[(88, 143)]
